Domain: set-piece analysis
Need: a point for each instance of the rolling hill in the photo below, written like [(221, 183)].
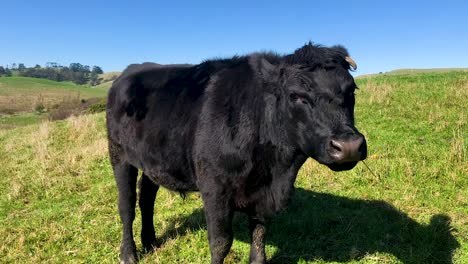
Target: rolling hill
[(22, 94), (415, 71), (107, 79), (25, 100)]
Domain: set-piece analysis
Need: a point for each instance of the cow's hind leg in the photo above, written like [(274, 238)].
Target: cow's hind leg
[(257, 248), (126, 177), (148, 190), (218, 212)]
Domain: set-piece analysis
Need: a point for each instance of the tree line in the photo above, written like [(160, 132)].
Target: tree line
[(75, 72)]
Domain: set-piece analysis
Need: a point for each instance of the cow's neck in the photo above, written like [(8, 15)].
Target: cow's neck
[(276, 165)]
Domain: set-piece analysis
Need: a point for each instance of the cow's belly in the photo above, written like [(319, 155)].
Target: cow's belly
[(174, 180), (161, 154), (168, 167), (171, 173)]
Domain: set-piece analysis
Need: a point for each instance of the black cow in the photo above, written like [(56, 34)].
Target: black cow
[(237, 130)]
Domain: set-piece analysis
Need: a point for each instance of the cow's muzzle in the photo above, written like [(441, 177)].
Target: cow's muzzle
[(346, 153), (343, 151)]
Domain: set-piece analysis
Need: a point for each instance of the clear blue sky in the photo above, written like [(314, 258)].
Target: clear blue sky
[(380, 35)]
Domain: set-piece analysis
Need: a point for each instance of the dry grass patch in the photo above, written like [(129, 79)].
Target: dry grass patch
[(58, 151), (30, 102), (378, 92), (23, 94), (456, 156)]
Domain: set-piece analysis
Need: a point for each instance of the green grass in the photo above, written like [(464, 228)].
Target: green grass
[(415, 71), (58, 196), (434, 70), (22, 94), (14, 85), (23, 119)]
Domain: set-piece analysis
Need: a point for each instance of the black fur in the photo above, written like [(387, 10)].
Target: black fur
[(237, 130)]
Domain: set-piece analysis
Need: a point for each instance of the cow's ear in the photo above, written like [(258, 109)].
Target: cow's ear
[(264, 68), (267, 69), (342, 50)]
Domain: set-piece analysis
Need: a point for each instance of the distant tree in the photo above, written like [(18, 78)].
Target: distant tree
[(21, 67), (76, 72), (8, 72), (80, 78), (66, 73), (52, 65), (13, 66), (97, 70), (76, 67), (93, 79), (2, 70)]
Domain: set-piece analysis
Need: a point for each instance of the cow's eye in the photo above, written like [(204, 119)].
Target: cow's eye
[(293, 97), (296, 98)]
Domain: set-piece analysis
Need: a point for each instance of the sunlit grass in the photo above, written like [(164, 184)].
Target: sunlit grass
[(24, 94), (58, 201)]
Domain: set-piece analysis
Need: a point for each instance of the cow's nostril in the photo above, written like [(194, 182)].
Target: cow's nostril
[(347, 150), (336, 146)]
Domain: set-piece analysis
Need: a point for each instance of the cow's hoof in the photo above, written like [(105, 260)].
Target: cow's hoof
[(128, 254), (150, 245), (128, 260), (258, 262)]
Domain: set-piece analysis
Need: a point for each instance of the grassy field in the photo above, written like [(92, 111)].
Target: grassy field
[(415, 71), (107, 79), (20, 119), (434, 70), (25, 101), (23, 94), (58, 196)]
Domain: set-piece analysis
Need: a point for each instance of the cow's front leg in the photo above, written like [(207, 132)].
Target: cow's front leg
[(257, 246), (218, 212)]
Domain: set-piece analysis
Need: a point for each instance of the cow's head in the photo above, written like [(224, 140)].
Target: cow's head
[(317, 98), (320, 106)]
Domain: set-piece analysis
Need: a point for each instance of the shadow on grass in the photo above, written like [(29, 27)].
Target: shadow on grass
[(339, 229)]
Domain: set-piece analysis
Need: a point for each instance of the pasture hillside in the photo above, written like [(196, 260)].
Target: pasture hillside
[(25, 100), (58, 200), (23, 93), (415, 71), (107, 79)]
